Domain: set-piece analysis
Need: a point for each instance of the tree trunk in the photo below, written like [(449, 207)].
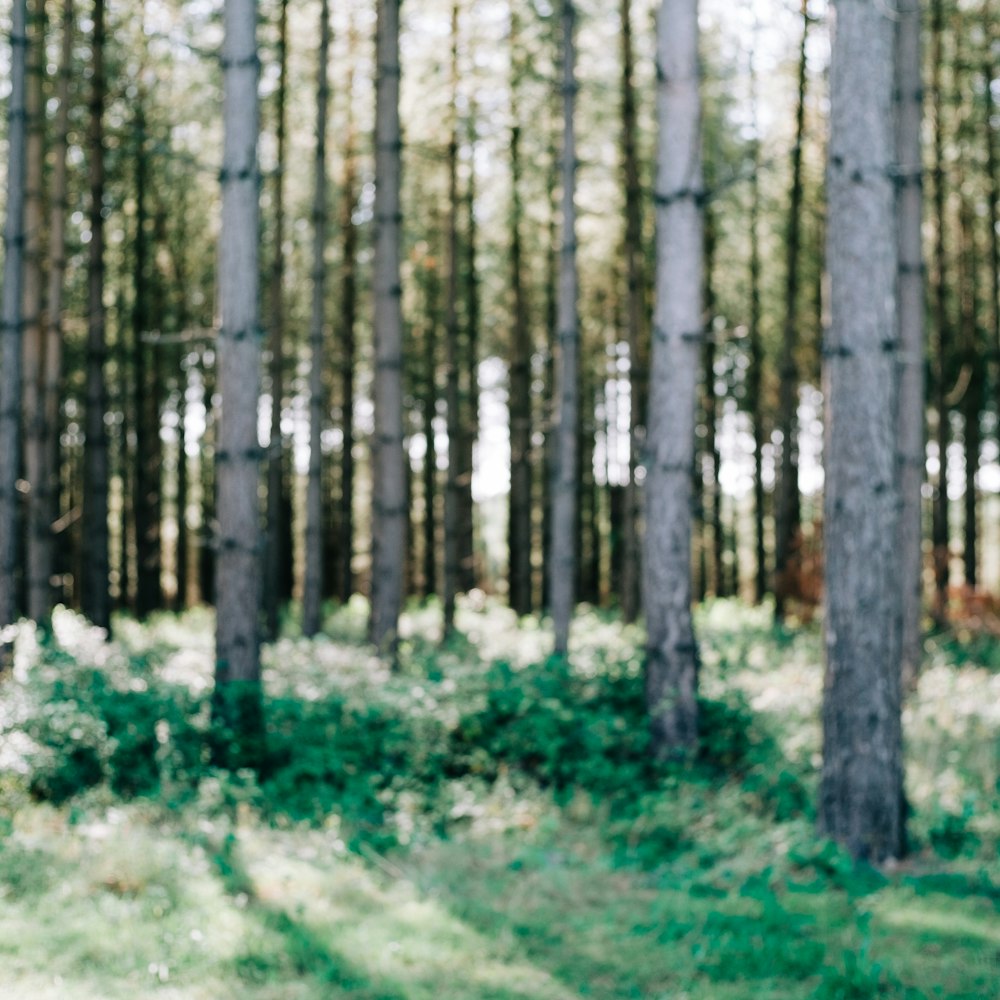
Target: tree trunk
[(388, 460), (312, 593), (714, 543), (787, 527), (429, 397), (637, 320), (671, 651), (861, 789), (562, 566), (10, 318), (38, 549), (972, 399), (95, 599), (278, 552), (237, 588), (519, 399), (910, 284), (452, 495), (940, 529)]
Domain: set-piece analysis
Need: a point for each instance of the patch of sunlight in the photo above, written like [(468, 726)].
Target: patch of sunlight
[(931, 918)]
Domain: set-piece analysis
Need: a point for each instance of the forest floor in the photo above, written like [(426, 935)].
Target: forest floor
[(482, 825)]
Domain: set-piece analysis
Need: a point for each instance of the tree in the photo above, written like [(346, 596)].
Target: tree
[(10, 316), (562, 564), (671, 650), (312, 591), (237, 586), (861, 790), (910, 288), (96, 600), (389, 499)]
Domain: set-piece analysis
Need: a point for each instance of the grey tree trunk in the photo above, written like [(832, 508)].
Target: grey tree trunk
[(237, 469), (787, 529), (38, 549), (861, 788), (95, 599), (671, 650), (388, 461), (452, 491), (562, 565), (278, 549), (47, 489), (910, 289), (312, 593), (637, 325), (10, 317)]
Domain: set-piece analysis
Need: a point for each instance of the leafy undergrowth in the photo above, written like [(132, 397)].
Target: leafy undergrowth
[(485, 823)]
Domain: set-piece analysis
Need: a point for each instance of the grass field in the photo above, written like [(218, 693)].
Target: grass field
[(484, 824)]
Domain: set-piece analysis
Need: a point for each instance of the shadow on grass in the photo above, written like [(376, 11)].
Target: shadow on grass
[(303, 953)]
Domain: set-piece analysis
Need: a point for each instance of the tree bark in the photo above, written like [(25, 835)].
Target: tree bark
[(95, 599), (312, 593), (787, 527), (11, 317), (861, 788), (237, 586), (910, 285), (972, 399), (671, 650), (388, 460), (562, 566)]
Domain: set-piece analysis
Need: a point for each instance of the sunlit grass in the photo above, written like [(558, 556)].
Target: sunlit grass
[(500, 887)]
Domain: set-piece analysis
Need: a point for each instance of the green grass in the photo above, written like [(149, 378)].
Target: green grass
[(485, 825)]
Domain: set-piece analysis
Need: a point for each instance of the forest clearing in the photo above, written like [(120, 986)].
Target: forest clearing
[(473, 827)]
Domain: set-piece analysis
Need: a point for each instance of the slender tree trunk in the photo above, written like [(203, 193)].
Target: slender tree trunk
[(206, 474), (95, 598), (940, 530), (470, 423), (48, 488), (149, 596), (348, 316), (788, 532), (11, 317), (563, 561), (429, 397), (712, 488), (278, 552), (388, 460), (552, 337), (237, 588), (313, 587), (519, 399), (861, 789), (910, 286), (37, 551), (756, 367), (671, 650), (972, 399), (635, 274), (452, 494)]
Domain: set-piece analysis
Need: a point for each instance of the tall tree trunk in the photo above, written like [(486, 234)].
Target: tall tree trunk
[(787, 527), (48, 489), (452, 495), (972, 399), (910, 287), (148, 453), (278, 552), (671, 650), (940, 533), (519, 399), (38, 549), (95, 598), (10, 317), (388, 460), (712, 489), (237, 587), (861, 788), (635, 276), (429, 398), (470, 423), (312, 593), (756, 360), (562, 566), (348, 316)]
